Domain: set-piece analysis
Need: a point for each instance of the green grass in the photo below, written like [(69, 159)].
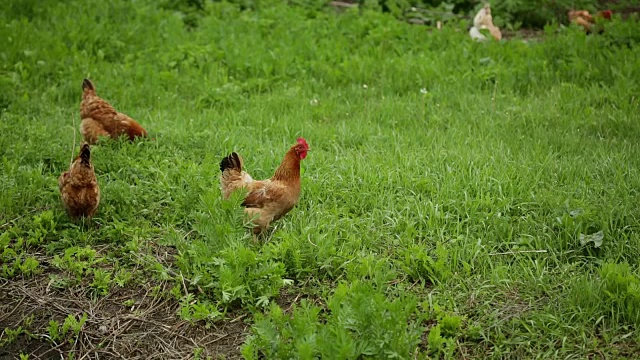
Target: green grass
[(419, 213)]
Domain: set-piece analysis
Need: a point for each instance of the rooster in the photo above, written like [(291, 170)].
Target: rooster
[(99, 118), (79, 187), (266, 200)]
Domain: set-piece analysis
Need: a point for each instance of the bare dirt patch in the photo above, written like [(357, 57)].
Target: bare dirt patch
[(137, 322)]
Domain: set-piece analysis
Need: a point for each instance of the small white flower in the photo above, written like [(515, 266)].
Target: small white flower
[(423, 90), (364, 86), (313, 102)]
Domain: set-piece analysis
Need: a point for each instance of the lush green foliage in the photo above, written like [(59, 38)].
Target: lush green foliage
[(438, 166), (506, 13)]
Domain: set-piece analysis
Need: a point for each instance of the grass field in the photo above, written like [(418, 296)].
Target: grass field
[(461, 200)]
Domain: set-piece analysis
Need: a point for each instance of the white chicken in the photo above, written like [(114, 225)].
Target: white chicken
[(484, 20)]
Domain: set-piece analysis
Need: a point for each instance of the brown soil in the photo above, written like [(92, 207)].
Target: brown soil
[(149, 329)]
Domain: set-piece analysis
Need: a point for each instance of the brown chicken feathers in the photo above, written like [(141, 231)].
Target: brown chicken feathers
[(266, 200), (79, 186), (99, 118)]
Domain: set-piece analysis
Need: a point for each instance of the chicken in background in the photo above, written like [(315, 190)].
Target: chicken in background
[(79, 186), (266, 200), (484, 20), (586, 20), (99, 118)]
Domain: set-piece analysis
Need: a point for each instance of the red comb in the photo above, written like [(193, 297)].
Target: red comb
[(302, 141)]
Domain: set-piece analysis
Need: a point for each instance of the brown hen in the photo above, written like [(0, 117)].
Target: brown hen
[(99, 118), (79, 186), (587, 21)]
